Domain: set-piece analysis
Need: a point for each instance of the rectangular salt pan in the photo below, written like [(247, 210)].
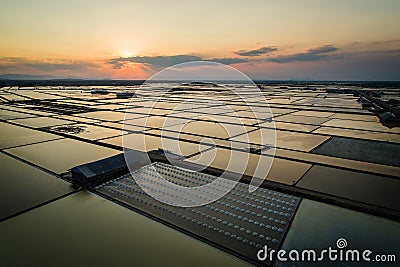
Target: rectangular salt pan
[(240, 222)]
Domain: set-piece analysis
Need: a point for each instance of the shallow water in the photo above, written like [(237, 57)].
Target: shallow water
[(61, 155), (12, 136), (89, 230), (23, 186), (318, 226)]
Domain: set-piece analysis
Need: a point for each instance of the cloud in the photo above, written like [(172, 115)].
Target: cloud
[(159, 61), (322, 49), (314, 54), (386, 42), (16, 63), (256, 52), (166, 61), (229, 61)]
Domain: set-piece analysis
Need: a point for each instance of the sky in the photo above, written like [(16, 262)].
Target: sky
[(133, 39)]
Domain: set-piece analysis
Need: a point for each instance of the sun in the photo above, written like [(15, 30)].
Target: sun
[(127, 54)]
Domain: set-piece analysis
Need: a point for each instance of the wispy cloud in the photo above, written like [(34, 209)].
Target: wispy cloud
[(159, 61), (386, 42), (165, 61), (314, 54), (229, 61), (256, 52), (17, 63)]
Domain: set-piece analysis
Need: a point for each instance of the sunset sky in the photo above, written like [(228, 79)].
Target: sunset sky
[(132, 39)]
